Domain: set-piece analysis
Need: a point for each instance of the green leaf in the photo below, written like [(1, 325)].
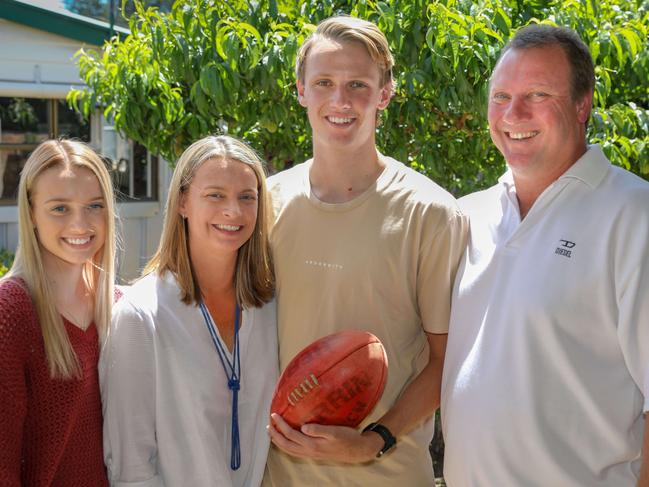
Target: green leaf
[(618, 47), (209, 79), (199, 99), (222, 32), (272, 8), (244, 26), (632, 39), (502, 21)]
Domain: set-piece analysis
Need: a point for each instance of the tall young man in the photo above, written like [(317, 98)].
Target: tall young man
[(363, 242)]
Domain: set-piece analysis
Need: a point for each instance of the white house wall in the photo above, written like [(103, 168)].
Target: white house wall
[(140, 227), (36, 64)]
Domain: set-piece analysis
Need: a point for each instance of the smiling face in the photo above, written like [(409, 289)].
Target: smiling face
[(69, 214), (220, 205), (342, 93), (533, 119)]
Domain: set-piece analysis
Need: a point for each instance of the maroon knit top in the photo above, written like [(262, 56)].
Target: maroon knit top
[(50, 429)]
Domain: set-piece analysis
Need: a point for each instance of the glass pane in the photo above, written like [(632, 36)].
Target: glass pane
[(145, 173), (118, 154), (120, 172), (24, 120), (71, 124), (134, 171), (11, 163)]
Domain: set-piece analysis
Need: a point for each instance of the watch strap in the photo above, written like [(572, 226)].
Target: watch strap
[(389, 440)]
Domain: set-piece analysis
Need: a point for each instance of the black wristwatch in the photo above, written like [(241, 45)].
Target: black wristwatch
[(389, 440)]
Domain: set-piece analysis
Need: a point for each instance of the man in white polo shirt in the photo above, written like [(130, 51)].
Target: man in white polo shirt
[(546, 376)]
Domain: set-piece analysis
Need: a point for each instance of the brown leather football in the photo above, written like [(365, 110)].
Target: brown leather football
[(336, 380)]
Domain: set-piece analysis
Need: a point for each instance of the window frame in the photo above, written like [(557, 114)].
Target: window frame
[(96, 124)]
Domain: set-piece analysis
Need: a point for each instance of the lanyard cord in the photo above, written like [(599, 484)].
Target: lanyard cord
[(233, 374)]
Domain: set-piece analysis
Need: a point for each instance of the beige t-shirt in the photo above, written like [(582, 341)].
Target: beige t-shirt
[(383, 262)]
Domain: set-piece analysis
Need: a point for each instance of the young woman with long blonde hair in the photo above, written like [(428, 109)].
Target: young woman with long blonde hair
[(55, 307)]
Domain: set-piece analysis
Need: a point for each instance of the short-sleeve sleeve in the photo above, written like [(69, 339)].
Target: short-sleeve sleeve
[(441, 251)]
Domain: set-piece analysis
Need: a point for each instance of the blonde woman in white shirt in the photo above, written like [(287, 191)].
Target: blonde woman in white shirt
[(191, 361)]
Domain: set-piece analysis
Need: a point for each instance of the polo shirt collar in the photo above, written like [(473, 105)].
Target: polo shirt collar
[(591, 168)]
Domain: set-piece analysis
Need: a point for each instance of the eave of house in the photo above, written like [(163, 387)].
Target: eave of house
[(60, 22)]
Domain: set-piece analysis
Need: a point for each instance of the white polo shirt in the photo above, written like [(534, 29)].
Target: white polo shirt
[(547, 365)]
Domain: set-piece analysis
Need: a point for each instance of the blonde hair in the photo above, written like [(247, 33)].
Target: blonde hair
[(350, 29), (254, 276), (99, 272)]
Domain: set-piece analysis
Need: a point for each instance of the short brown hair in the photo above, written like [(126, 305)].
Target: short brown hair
[(350, 29), (581, 63)]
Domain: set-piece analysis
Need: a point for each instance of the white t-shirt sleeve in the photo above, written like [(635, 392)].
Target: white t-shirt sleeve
[(127, 380)]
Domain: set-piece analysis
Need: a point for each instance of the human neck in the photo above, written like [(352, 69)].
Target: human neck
[(341, 176), (72, 294), (528, 190), (529, 186), (64, 277), (215, 276), (214, 273), (526, 200)]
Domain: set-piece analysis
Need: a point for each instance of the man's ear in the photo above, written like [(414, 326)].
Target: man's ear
[(386, 95), (584, 106), (300, 92)]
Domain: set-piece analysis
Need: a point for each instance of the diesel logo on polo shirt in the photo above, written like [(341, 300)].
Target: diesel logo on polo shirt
[(565, 248)]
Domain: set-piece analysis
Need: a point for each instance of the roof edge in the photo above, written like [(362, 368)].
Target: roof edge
[(63, 23)]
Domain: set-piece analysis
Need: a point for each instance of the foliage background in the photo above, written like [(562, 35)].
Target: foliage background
[(212, 67), (6, 261)]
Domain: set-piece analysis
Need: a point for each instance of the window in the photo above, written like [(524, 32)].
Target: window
[(25, 122), (134, 169)]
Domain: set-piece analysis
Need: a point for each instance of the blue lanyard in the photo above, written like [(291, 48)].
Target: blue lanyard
[(233, 374)]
